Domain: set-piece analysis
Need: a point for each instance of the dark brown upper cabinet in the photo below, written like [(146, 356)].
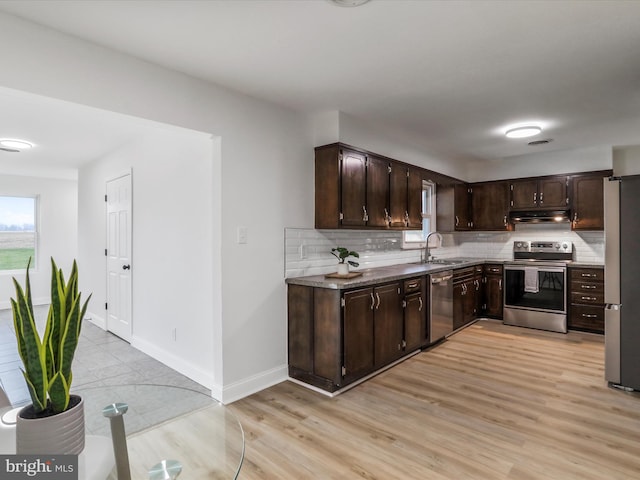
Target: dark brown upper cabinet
[(540, 193), (357, 189), (377, 195), (490, 205), (414, 198), (399, 192), (588, 202), (353, 174), (453, 207), (406, 196)]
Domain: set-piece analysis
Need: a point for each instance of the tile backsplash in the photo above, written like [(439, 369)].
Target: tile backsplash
[(307, 251)]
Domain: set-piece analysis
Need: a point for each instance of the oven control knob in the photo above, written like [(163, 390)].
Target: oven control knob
[(557, 245), (565, 246)]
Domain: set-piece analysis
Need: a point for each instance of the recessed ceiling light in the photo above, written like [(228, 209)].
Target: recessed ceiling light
[(348, 3), (12, 144), (523, 132)]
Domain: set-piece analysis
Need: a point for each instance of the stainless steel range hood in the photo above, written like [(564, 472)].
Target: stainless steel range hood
[(540, 216)]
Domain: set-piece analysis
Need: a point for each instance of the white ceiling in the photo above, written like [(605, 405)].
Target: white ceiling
[(450, 75), (65, 135)]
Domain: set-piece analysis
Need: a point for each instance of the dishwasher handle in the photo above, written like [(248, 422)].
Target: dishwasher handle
[(435, 280)]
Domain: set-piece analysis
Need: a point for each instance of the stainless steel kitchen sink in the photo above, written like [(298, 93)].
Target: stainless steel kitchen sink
[(441, 261)]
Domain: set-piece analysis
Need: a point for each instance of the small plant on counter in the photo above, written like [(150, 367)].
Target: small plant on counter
[(342, 254)]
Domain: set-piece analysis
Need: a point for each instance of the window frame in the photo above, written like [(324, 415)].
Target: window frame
[(36, 232)]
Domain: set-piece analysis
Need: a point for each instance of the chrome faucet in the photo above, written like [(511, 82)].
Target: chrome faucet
[(427, 255)]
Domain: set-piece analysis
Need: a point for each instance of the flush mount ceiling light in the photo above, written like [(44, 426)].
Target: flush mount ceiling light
[(348, 3), (523, 132), (14, 145)]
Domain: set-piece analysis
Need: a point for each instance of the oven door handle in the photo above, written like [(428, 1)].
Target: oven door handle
[(539, 267)]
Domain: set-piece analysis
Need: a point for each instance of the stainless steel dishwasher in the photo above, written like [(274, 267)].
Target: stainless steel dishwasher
[(440, 305)]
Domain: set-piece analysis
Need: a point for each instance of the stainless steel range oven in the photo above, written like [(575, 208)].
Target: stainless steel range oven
[(535, 285)]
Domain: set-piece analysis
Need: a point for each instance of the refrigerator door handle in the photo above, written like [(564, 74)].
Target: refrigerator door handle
[(612, 343)]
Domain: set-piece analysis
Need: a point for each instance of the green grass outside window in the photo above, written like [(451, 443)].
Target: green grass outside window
[(15, 258)]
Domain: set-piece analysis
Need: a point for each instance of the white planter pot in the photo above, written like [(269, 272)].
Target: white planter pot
[(343, 268), (60, 434)]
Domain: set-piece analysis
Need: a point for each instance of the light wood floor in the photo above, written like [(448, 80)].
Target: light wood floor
[(492, 402)]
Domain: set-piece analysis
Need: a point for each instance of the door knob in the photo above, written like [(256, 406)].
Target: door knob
[(126, 267)]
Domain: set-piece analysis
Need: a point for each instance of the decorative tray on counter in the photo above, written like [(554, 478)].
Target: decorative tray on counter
[(345, 276)]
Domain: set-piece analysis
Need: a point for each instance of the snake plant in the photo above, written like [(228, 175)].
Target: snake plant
[(47, 361)]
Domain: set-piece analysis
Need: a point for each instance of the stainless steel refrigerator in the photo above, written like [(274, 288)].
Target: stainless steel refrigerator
[(622, 281)]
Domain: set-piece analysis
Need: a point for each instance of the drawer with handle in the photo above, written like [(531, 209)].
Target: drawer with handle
[(587, 274), (493, 269), (589, 297), (587, 317), (587, 287), (413, 285)]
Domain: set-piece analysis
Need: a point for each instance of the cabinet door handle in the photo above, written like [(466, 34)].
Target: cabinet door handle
[(420, 307), (575, 217), (412, 285), (505, 220), (387, 217), (500, 284), (588, 315), (588, 287), (373, 301), (588, 298), (535, 197), (378, 297), (477, 284), (365, 215), (541, 202), (588, 275), (457, 221)]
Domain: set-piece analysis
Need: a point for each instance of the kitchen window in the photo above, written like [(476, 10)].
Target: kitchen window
[(18, 232), (416, 238)]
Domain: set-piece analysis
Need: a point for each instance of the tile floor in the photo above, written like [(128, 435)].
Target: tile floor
[(102, 359)]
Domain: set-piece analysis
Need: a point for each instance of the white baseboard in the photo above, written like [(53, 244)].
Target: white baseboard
[(97, 320), (253, 384), (195, 373)]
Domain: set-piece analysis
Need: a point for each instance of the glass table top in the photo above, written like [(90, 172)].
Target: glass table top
[(167, 424)]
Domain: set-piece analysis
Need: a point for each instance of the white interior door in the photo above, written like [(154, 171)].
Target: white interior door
[(118, 253)]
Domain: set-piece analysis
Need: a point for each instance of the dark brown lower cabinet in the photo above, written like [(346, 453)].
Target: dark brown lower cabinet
[(337, 337), (388, 324), (358, 333), (415, 318), (465, 295), (586, 297), (493, 290)]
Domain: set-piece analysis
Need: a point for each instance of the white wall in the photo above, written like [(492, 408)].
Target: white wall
[(266, 180), (172, 256), (335, 126), (547, 163), (355, 132), (57, 231), (626, 161)]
